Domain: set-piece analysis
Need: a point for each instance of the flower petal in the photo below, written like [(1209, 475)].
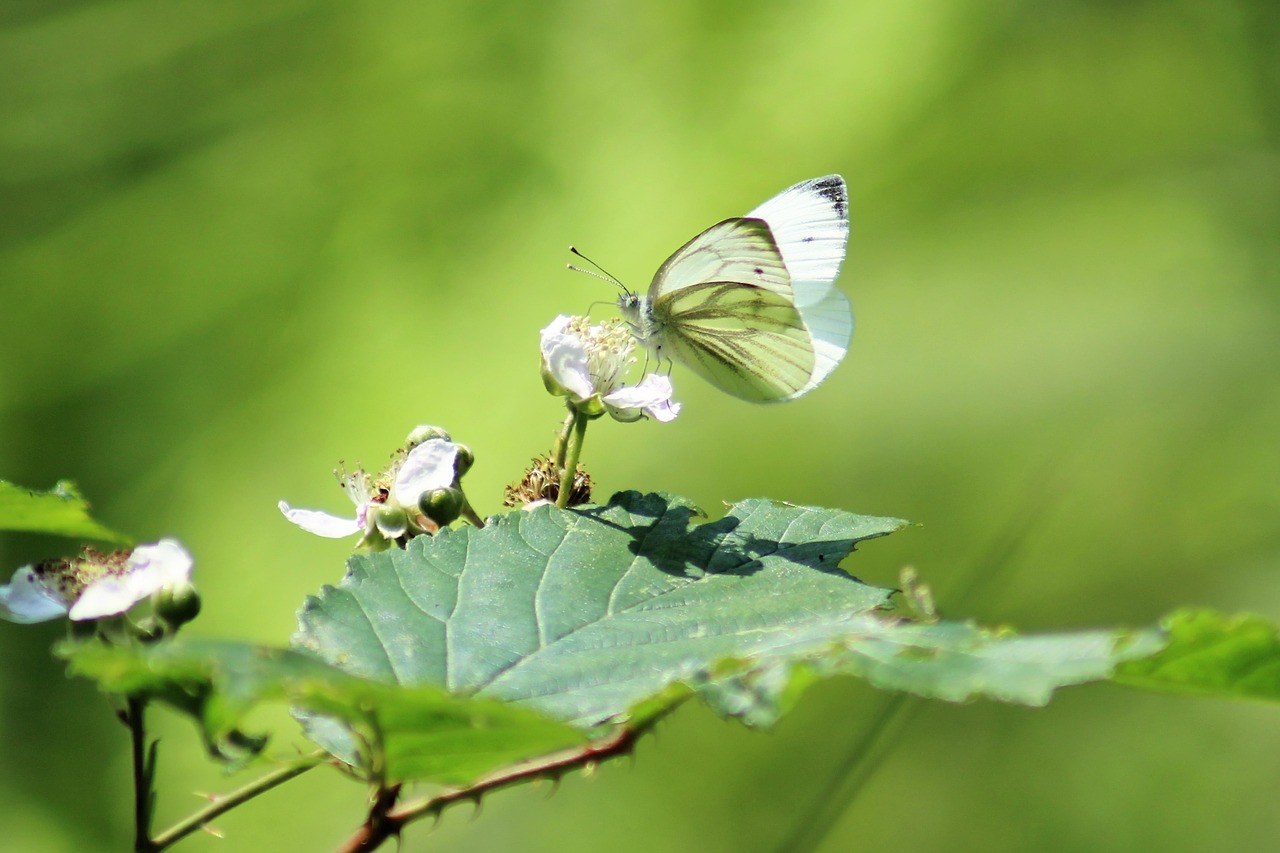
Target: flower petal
[(150, 568), (429, 466), (652, 397), (564, 358), (321, 523), (25, 600)]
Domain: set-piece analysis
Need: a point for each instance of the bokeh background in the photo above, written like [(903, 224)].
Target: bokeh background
[(240, 241)]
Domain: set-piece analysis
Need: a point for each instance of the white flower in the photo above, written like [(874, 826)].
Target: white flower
[(588, 363), (388, 509), (94, 585)]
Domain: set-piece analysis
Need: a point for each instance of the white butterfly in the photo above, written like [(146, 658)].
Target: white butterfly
[(751, 304)]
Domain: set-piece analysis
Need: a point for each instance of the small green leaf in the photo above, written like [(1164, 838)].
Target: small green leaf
[(583, 614), (405, 733), (1212, 654), (60, 512)]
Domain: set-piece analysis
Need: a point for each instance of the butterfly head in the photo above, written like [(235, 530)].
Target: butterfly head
[(629, 307)]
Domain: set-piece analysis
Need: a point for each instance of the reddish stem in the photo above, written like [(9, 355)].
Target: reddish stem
[(390, 823)]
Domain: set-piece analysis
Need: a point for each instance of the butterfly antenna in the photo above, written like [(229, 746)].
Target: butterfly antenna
[(603, 273)]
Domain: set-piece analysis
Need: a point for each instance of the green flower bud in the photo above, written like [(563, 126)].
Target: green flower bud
[(176, 605), (463, 462), (392, 521), (423, 432), (443, 506)]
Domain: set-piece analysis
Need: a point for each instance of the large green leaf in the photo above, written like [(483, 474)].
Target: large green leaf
[(584, 613), (620, 611), (60, 511), (406, 732)]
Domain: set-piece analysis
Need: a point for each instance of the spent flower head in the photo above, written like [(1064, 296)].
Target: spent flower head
[(96, 585), (588, 364), (418, 493)]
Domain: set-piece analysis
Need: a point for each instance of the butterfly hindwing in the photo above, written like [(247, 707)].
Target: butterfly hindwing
[(747, 341)]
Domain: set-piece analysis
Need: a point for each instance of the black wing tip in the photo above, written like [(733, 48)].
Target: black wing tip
[(832, 188)]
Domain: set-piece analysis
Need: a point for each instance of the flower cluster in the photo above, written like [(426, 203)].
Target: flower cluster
[(418, 493), (97, 585), (587, 364)]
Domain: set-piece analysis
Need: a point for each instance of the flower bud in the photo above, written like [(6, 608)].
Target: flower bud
[(443, 506), (423, 432), (176, 605), (463, 462), (392, 521)]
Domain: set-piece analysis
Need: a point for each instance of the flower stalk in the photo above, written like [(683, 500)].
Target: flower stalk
[(572, 452)]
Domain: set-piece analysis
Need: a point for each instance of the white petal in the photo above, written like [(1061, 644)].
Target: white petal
[(26, 600), (428, 466), (652, 396), (565, 358), (150, 568), (321, 523), (663, 412), (166, 563), (556, 326)]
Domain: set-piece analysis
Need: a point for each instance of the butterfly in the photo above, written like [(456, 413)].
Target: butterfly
[(750, 304)]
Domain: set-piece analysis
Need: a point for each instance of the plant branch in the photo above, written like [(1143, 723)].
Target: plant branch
[(226, 803), (143, 772), (373, 833)]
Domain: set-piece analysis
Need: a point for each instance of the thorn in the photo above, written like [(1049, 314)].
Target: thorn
[(479, 806), (214, 831)]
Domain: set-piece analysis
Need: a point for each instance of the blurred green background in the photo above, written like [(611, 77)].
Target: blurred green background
[(240, 241)]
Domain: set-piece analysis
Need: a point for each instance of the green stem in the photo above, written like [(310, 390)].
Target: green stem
[(226, 803), (562, 439), (572, 451), (469, 513), (143, 773), (866, 754)]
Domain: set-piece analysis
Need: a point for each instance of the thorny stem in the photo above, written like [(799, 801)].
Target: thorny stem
[(572, 451), (227, 802), (390, 824)]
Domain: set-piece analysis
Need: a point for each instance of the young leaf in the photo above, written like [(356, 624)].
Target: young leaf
[(584, 613), (1212, 654), (406, 733), (60, 512)]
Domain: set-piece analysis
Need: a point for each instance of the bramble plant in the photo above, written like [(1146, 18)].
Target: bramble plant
[(463, 654)]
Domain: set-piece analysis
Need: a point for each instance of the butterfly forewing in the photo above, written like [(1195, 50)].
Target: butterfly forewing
[(739, 250), (810, 226), (747, 341)]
